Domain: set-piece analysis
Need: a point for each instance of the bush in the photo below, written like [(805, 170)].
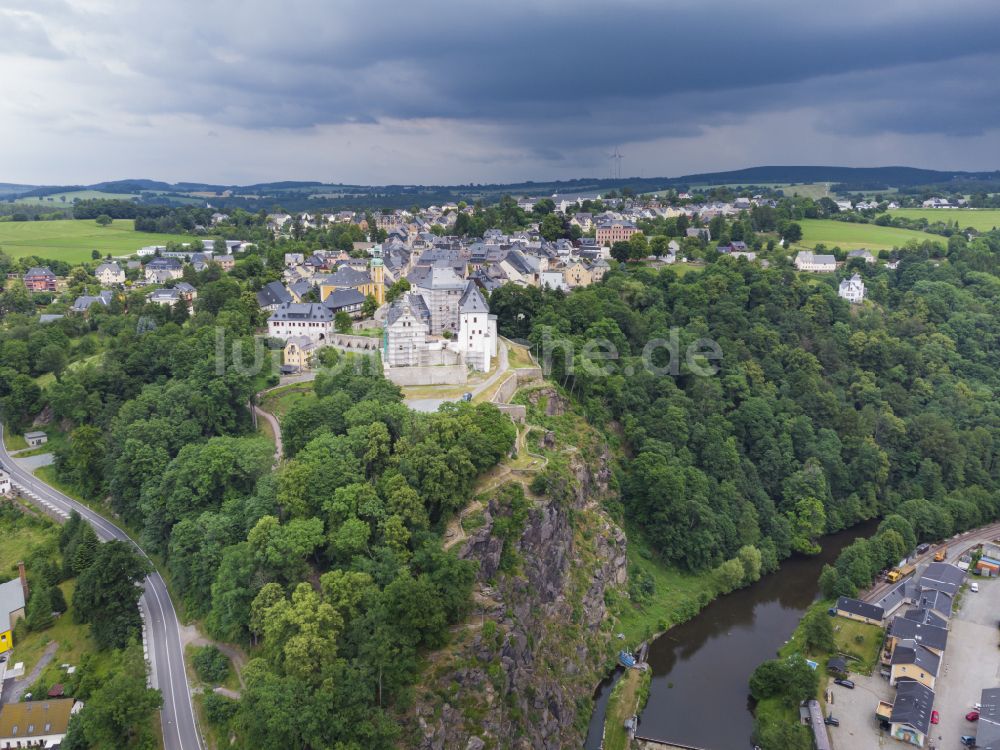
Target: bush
[(211, 664), (219, 710)]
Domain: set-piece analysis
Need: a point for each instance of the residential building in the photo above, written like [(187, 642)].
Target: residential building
[(272, 295), (911, 661), (577, 274), (83, 303), (13, 595), (910, 719), (110, 273), (852, 289), (40, 279), (37, 723), (170, 297), (902, 630), (350, 301), (309, 319), (855, 609), (608, 233), (701, 233), (162, 270), (865, 255), (806, 260), (298, 353)]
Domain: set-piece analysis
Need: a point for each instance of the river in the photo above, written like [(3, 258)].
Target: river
[(701, 668)]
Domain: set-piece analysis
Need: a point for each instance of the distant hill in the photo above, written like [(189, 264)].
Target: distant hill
[(297, 195)]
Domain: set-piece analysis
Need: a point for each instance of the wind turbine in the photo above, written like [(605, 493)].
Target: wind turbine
[(616, 164)]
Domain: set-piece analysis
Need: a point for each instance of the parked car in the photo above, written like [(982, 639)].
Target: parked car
[(974, 587), (831, 721), (968, 740), (467, 396), (935, 717), (922, 548), (844, 683), (972, 716)]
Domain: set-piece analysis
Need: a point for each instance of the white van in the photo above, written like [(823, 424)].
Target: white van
[(974, 587)]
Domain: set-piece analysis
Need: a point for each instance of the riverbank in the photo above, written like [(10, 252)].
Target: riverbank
[(705, 658), (628, 698)]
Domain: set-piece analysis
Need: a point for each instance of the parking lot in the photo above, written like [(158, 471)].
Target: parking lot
[(971, 663)]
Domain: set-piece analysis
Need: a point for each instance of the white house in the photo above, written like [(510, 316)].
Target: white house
[(110, 273), (310, 319), (143, 252), (806, 260), (852, 289), (865, 255), (4, 482)]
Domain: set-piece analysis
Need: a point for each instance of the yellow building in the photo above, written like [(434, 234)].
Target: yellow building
[(370, 283), (11, 610), (912, 661), (298, 353), (577, 274)]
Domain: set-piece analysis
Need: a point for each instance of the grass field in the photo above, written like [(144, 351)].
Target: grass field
[(981, 219), (72, 240), (856, 236), (65, 200)]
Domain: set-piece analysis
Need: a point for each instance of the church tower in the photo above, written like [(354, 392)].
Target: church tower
[(378, 274)]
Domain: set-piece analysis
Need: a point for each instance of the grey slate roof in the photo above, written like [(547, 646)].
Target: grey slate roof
[(860, 608), (346, 277), (988, 726), (273, 294), (927, 635), (40, 271), (341, 298), (11, 600), (472, 300), (437, 277), (937, 600), (926, 617), (922, 657), (416, 303), (301, 287), (913, 705), (302, 311), (942, 577)]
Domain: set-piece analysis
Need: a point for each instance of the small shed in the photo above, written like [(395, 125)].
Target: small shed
[(34, 439), (837, 664), (57, 691)]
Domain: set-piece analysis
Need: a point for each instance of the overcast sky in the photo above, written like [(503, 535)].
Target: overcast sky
[(437, 91)]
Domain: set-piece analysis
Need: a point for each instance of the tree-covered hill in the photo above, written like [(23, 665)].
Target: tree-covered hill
[(821, 415)]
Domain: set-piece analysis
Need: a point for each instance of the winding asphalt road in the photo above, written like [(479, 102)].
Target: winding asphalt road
[(162, 632)]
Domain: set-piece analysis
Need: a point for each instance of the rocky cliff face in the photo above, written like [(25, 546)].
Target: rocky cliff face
[(520, 672)]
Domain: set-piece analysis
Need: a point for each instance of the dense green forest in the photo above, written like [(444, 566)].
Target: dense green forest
[(820, 415)]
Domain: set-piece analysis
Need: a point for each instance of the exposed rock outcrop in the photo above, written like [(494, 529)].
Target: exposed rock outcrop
[(520, 672)]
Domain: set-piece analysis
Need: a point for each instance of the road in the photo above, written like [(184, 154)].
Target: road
[(166, 652)]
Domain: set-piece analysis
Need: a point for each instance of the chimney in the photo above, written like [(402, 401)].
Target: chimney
[(24, 580)]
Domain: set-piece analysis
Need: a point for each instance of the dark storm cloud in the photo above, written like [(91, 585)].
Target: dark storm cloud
[(558, 81), (559, 76)]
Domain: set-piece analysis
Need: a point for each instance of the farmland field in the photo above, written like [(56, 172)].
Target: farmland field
[(72, 240), (983, 219), (855, 236), (65, 200)]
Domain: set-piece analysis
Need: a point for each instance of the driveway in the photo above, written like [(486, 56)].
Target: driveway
[(971, 662)]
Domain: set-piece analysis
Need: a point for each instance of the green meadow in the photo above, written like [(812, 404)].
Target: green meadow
[(855, 236), (65, 199), (981, 219), (73, 240)]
